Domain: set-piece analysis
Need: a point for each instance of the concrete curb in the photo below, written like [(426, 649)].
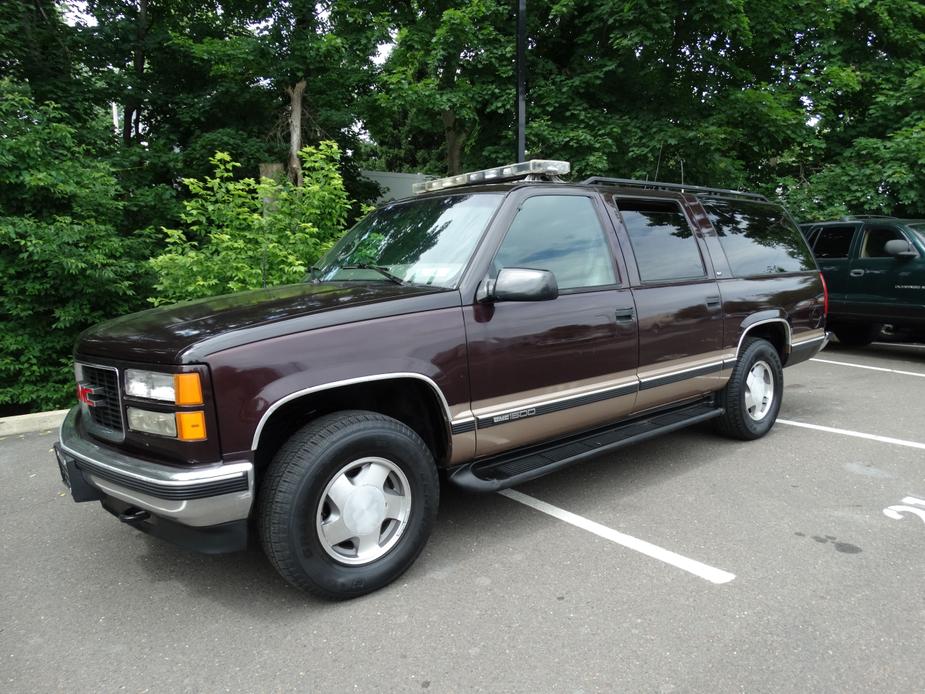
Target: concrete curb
[(27, 423)]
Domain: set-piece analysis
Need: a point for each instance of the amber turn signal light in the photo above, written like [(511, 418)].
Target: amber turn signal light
[(187, 389), (191, 426)]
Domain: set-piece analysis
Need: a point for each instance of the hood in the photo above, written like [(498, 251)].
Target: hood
[(163, 334)]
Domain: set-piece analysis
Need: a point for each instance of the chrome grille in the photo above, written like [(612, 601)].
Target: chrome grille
[(106, 413)]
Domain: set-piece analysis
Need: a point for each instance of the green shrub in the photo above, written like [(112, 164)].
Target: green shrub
[(244, 234), (63, 264)]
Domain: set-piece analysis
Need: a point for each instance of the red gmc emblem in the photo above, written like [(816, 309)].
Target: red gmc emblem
[(88, 396)]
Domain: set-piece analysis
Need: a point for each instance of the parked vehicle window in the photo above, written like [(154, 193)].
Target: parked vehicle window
[(918, 230), (562, 234), (809, 233), (833, 242), (875, 241), (759, 238), (663, 241), (426, 241)]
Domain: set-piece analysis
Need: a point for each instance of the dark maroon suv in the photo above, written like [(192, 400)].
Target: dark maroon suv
[(498, 326)]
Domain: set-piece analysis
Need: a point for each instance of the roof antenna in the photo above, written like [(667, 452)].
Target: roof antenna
[(682, 171), (658, 163)]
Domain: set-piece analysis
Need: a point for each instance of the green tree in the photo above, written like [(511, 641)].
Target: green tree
[(818, 103), (450, 72), (38, 48), (63, 264), (244, 234), (860, 67)]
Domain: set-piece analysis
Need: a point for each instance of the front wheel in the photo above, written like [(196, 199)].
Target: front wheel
[(753, 396), (347, 504)]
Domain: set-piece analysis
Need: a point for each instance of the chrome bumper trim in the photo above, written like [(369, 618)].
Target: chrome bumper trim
[(198, 497)]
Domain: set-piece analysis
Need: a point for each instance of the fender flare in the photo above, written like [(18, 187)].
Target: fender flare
[(352, 382), (755, 320)]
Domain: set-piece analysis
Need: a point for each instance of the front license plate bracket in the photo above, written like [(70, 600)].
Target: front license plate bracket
[(73, 478)]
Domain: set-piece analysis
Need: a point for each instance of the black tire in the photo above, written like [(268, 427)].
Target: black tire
[(856, 334), (292, 490), (736, 422)]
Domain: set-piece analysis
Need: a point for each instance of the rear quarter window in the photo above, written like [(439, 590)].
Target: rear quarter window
[(758, 238), (833, 242)]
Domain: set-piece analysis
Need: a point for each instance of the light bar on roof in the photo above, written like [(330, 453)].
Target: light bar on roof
[(549, 167)]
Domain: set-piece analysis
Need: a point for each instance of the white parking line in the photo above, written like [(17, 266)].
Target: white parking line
[(902, 345), (872, 368), (692, 566), (856, 434)]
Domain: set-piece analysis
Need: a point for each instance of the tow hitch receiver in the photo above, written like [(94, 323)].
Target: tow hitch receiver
[(134, 515)]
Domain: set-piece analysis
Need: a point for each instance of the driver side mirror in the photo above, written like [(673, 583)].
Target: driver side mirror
[(900, 248), (519, 284)]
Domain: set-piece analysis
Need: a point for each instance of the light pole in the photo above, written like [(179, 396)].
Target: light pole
[(521, 80)]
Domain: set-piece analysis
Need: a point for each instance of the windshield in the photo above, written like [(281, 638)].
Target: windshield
[(427, 242)]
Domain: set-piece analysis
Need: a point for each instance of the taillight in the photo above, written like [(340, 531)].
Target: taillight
[(825, 296)]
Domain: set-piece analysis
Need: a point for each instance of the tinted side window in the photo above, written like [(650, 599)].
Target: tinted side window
[(562, 234), (875, 240), (758, 238), (662, 240), (833, 242)]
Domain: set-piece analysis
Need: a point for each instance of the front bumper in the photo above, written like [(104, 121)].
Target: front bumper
[(199, 497)]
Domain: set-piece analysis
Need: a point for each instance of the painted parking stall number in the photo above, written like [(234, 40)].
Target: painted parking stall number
[(908, 505)]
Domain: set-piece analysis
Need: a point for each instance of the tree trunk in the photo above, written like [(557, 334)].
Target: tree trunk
[(131, 113), (454, 142), (294, 166), (128, 112)]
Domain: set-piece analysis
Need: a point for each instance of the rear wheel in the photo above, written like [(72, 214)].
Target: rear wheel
[(348, 504), (856, 334), (753, 396)]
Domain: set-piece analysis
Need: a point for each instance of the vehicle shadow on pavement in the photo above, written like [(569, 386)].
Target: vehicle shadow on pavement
[(244, 582), (470, 519), (469, 528), (886, 350)]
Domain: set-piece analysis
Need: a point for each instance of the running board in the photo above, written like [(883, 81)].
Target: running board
[(512, 469)]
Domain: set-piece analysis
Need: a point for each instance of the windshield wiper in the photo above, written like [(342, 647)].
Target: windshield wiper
[(378, 268)]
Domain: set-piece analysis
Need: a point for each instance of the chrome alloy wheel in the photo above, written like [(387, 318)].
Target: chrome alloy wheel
[(759, 390), (364, 511)]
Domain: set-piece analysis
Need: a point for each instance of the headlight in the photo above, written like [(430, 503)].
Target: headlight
[(181, 389), (161, 423), (185, 426)]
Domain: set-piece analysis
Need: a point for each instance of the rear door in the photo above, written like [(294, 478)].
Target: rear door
[(542, 369), (832, 247), (677, 301), (883, 287)]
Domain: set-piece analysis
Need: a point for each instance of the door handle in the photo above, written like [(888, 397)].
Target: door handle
[(712, 301), (624, 313), (857, 273)]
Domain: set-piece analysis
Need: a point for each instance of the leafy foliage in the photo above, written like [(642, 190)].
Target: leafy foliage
[(820, 104), (63, 264), (244, 234)]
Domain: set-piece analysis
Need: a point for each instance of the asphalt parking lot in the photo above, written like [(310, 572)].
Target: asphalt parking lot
[(764, 566)]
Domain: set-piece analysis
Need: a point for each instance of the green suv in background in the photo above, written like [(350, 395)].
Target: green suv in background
[(875, 271)]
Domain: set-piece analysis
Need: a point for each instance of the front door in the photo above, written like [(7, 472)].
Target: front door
[(883, 287), (543, 369)]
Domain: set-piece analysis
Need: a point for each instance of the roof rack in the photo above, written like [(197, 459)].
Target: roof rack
[(683, 187), (856, 217)]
